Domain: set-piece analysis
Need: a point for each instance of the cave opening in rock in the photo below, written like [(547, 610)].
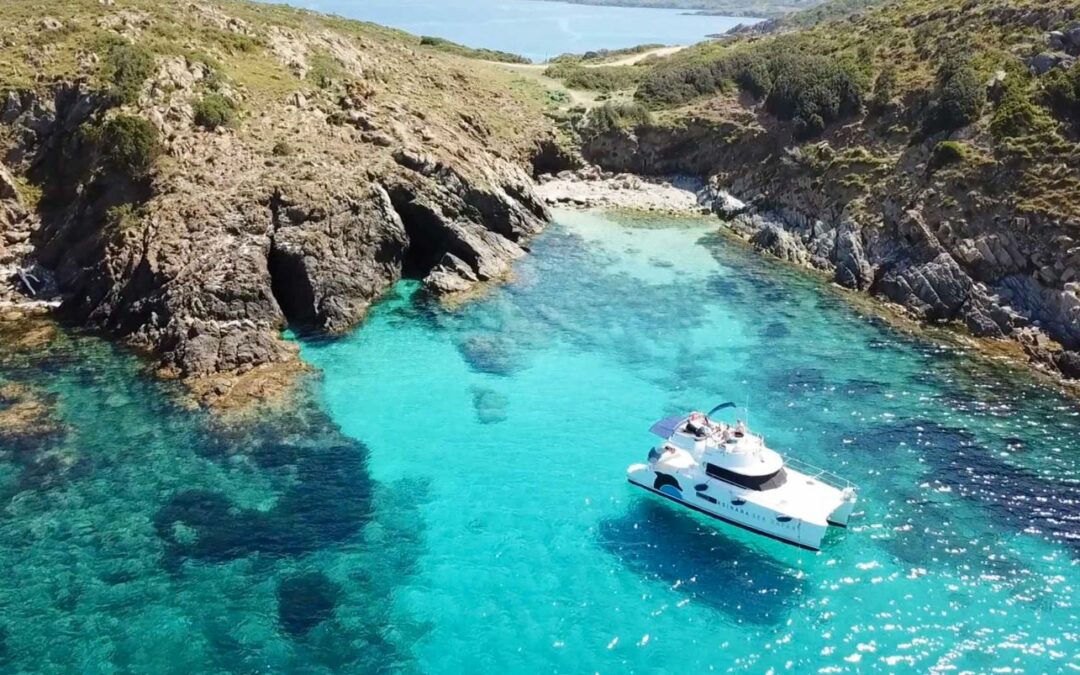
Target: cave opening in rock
[(291, 287), (428, 237)]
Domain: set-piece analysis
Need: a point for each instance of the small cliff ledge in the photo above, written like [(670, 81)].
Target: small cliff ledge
[(193, 177)]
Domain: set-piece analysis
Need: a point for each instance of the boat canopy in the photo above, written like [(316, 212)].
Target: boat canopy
[(666, 427)]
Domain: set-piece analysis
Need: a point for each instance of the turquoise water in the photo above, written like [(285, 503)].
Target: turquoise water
[(451, 495), (537, 30)]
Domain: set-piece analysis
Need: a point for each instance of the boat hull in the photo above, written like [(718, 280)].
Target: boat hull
[(728, 521), (732, 505)]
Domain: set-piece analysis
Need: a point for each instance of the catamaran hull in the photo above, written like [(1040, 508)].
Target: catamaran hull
[(730, 505), (729, 521)]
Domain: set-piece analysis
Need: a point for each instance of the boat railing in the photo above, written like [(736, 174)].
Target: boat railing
[(817, 473)]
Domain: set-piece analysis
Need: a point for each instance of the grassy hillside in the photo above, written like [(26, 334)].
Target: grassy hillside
[(898, 74)]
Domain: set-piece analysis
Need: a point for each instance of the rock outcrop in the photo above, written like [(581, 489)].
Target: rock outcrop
[(301, 211), (947, 256)]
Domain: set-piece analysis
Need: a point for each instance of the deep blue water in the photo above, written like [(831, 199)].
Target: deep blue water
[(537, 30), (451, 495)]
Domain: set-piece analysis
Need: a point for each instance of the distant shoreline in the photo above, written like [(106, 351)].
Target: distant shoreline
[(761, 9)]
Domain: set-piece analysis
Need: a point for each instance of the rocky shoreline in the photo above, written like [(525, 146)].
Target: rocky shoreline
[(996, 273), (593, 188), (914, 301)]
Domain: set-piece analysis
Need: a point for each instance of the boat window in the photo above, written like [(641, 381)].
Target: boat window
[(701, 487), (784, 519), (766, 482)]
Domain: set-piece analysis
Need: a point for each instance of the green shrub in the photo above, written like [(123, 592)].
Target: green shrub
[(444, 45), (282, 149), (612, 116), (214, 110), (602, 78), (125, 68), (798, 85), (122, 218), (1060, 92), (960, 97), (948, 152), (813, 91), (884, 90), (1016, 115), (324, 70), (129, 144)]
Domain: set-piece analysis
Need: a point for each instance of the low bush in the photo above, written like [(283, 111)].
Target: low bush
[(884, 90), (812, 91), (324, 70), (122, 218), (602, 78), (948, 152), (444, 45), (282, 149), (129, 144), (1060, 92), (809, 89), (959, 97), (612, 116), (125, 68), (214, 110), (1016, 115)]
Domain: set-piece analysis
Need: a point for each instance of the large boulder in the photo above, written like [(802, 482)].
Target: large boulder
[(936, 290), (853, 270), (774, 239)]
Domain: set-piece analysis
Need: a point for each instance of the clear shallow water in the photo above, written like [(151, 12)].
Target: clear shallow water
[(452, 498), (537, 30)]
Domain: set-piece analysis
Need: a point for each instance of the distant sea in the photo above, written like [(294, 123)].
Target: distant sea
[(537, 30)]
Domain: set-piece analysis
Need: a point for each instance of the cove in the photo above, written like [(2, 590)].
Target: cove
[(518, 414), (447, 492)]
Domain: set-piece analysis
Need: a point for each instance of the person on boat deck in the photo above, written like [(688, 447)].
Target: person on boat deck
[(740, 428), (695, 425)]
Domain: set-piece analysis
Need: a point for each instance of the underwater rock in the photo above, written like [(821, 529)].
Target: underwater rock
[(490, 353), (490, 405), (775, 329), (305, 601), (25, 414)]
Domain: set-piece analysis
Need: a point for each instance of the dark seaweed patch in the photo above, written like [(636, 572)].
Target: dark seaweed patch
[(1019, 497), (775, 330), (328, 504), (305, 601)]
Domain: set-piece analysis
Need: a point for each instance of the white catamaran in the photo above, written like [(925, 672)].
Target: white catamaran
[(726, 472)]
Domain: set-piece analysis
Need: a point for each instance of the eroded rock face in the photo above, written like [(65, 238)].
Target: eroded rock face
[(222, 248), (996, 271)]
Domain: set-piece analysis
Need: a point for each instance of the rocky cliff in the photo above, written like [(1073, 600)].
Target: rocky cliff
[(192, 177), (973, 220)]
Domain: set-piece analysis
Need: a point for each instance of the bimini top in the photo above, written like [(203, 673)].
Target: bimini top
[(669, 425), (666, 427)]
